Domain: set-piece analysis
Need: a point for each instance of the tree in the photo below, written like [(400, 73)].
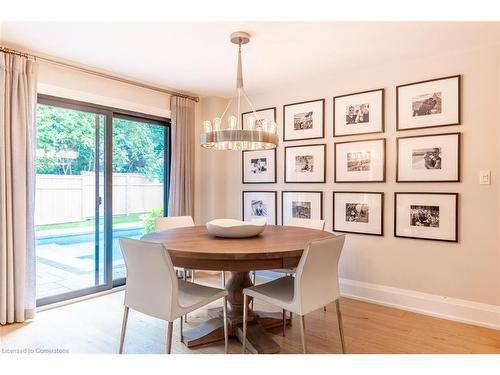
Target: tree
[(137, 147)]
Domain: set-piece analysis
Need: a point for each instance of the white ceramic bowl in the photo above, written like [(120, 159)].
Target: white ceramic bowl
[(230, 228)]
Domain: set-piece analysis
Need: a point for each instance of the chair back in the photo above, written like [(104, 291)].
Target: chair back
[(171, 222), (152, 286), (307, 223), (316, 278)]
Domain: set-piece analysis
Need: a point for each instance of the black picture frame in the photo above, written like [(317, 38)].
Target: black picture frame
[(275, 171), (382, 198), (305, 146), (322, 122), (302, 191), (459, 156), (260, 191), (455, 239)]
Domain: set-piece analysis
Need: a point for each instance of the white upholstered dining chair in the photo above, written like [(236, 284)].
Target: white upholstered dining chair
[(315, 284), (172, 222), (152, 288)]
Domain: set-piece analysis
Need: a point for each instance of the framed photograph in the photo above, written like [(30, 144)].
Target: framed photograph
[(302, 205), (358, 212), (305, 163), (260, 204), (426, 216), (259, 167), (358, 113), (360, 161), (430, 103), (262, 114), (428, 158), (305, 120)]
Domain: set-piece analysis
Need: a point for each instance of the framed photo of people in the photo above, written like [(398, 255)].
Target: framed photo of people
[(425, 104), (358, 113), (262, 114), (426, 216), (259, 167), (305, 163), (258, 205), (304, 120), (358, 212), (428, 158), (302, 205), (360, 161)]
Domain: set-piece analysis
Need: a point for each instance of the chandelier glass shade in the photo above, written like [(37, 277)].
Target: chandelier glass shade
[(255, 134)]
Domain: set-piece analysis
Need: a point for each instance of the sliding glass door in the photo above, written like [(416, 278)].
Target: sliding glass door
[(140, 164), (101, 174)]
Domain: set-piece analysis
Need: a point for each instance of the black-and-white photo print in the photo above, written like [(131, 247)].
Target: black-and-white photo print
[(258, 165), (304, 163), (424, 216), (426, 158), (303, 120), (426, 104), (357, 114), (356, 212), (259, 208), (301, 210), (358, 161)]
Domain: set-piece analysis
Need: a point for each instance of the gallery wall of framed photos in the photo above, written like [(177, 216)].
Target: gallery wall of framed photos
[(421, 156), (425, 158)]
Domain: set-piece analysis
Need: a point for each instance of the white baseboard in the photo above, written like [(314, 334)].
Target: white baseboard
[(459, 310)]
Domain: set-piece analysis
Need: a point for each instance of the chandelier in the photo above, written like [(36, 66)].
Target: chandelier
[(256, 134)]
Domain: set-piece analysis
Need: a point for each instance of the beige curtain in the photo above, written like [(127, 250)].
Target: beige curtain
[(181, 198), (17, 188)]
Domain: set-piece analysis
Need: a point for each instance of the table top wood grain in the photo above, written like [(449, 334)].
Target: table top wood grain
[(195, 246)]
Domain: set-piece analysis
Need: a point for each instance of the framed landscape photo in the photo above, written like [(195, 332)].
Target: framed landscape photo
[(426, 216), (259, 167), (358, 212), (358, 113), (262, 114), (302, 205), (305, 163), (360, 161), (304, 120), (258, 205), (428, 158), (425, 104)]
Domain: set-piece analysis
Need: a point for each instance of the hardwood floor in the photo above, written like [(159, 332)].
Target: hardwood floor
[(93, 326)]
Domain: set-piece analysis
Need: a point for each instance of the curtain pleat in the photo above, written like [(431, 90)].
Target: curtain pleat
[(17, 188), (181, 197)]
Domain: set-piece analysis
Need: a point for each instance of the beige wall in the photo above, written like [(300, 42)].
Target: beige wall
[(468, 270)]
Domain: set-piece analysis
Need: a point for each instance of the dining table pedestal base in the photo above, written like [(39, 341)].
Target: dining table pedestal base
[(258, 340)]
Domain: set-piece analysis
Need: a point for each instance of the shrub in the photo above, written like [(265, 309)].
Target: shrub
[(149, 219)]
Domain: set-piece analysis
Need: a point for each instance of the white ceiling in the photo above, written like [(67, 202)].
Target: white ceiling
[(198, 57)]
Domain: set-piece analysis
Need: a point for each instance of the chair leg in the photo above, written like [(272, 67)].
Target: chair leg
[(254, 279), (245, 312), (290, 318), (192, 276), (303, 333), (284, 322), (181, 328), (185, 279), (223, 279), (341, 325), (324, 308), (124, 328), (169, 337), (224, 309)]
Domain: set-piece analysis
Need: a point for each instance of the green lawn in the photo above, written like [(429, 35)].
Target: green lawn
[(118, 219)]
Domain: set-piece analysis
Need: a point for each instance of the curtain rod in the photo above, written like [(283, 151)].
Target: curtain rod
[(96, 73)]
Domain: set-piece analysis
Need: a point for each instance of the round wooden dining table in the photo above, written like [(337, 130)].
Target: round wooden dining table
[(277, 247)]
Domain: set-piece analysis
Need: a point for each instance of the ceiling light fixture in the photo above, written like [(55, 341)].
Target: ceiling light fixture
[(256, 134)]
